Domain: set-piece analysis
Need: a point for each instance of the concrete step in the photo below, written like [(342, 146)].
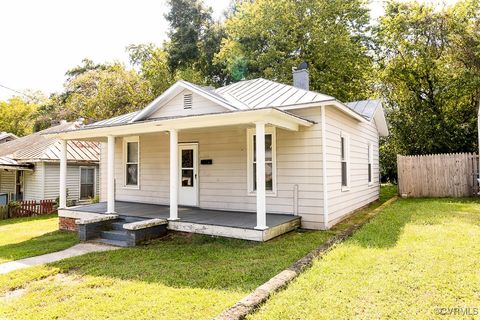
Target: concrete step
[(117, 235), (116, 243), (118, 225), (127, 219)]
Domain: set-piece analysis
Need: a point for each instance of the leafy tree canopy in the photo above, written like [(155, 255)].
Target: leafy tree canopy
[(266, 38), (16, 115), (429, 74)]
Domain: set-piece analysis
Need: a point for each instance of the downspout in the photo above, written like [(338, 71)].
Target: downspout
[(324, 169)]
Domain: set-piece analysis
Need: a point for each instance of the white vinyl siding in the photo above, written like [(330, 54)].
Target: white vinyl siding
[(52, 181), (175, 107), (340, 204), (33, 184), (7, 181)]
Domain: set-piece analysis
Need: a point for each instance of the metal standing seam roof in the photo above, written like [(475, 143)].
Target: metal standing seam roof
[(262, 93), (5, 135), (366, 108), (256, 94), (37, 147)]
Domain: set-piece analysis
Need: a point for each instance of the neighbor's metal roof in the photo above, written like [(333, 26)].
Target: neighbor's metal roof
[(4, 135), (366, 108), (37, 147)]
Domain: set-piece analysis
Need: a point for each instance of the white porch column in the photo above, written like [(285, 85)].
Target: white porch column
[(63, 175), (173, 175), (260, 161), (111, 174)]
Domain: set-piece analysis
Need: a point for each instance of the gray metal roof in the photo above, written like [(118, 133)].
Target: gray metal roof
[(38, 147), (5, 135), (124, 118), (255, 94), (366, 108), (261, 93)]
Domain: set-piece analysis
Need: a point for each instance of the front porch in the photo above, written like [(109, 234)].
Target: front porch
[(233, 224)]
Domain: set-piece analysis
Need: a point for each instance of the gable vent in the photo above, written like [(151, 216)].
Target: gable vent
[(187, 101)]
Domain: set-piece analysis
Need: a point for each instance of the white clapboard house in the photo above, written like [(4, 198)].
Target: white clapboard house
[(30, 165), (250, 160)]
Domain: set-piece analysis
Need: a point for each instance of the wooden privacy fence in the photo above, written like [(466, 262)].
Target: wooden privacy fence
[(438, 175), (27, 208)]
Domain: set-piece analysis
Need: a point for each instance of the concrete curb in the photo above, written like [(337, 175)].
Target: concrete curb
[(251, 302)]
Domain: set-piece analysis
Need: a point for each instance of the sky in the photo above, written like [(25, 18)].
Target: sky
[(41, 40)]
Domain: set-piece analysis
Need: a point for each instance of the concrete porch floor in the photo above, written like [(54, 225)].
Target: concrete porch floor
[(235, 224)]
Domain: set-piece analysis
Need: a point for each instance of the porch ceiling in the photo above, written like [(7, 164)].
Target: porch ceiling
[(270, 116)]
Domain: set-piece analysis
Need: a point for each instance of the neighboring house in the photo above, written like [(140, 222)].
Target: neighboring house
[(29, 167), (201, 148), (7, 136)]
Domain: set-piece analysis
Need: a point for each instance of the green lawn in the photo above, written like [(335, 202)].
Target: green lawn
[(27, 237), (417, 255), (179, 277)]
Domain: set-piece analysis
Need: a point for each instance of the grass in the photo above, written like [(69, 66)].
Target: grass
[(179, 277), (27, 237), (415, 256)]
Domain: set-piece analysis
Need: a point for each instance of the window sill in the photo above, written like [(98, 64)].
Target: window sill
[(371, 184), (267, 194), (131, 187), (345, 188)]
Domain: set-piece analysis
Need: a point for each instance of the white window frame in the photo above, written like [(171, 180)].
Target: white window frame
[(346, 159), (126, 140), (370, 164), (250, 183), (80, 180)]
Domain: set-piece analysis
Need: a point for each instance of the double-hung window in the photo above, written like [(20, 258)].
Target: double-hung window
[(270, 161), (131, 154), (370, 162), (345, 150)]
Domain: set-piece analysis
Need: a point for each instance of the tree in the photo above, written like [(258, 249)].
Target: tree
[(195, 39), (266, 38), (16, 116), (431, 92), (429, 72), (187, 19), (105, 92), (153, 66)]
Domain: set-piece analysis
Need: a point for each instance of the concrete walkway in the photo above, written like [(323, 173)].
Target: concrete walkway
[(76, 250)]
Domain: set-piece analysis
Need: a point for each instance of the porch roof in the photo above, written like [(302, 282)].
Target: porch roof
[(273, 116)]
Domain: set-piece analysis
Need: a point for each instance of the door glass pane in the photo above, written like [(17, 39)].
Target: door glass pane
[(132, 174), (187, 158), (132, 155), (187, 178)]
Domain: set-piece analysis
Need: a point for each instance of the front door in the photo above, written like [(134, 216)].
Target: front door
[(188, 174)]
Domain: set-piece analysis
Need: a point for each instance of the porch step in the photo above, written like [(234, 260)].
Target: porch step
[(118, 225), (116, 235), (116, 243)]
